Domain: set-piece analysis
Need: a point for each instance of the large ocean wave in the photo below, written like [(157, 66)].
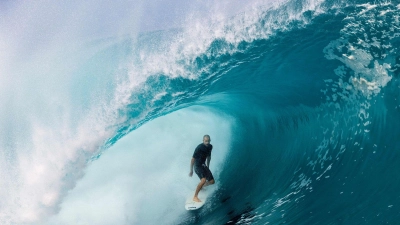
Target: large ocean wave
[(301, 99)]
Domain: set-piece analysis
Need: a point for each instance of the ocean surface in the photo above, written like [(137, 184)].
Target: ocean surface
[(301, 99)]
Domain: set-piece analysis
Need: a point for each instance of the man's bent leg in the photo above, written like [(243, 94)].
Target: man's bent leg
[(210, 182), (199, 186)]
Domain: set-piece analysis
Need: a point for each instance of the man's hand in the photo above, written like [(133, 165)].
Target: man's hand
[(191, 173)]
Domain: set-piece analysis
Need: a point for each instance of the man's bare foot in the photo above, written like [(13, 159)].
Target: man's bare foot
[(196, 199)]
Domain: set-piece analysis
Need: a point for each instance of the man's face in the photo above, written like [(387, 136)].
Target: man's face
[(206, 141)]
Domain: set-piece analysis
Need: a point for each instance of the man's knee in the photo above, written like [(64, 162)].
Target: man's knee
[(212, 181), (203, 180)]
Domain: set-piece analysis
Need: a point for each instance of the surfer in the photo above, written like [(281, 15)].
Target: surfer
[(200, 155)]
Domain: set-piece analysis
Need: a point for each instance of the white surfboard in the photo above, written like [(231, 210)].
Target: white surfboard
[(192, 205)]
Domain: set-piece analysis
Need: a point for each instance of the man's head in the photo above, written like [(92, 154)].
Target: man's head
[(206, 139)]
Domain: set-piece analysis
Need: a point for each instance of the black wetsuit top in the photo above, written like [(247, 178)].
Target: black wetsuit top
[(201, 153)]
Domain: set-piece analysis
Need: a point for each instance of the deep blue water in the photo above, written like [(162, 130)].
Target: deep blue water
[(310, 147), (314, 96)]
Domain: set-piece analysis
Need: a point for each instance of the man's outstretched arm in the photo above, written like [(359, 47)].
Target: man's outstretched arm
[(191, 167)]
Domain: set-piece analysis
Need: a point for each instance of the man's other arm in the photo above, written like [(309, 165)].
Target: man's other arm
[(191, 167)]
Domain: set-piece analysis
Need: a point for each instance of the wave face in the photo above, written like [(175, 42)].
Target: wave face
[(301, 99)]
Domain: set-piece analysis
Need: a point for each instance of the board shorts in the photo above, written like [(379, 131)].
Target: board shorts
[(203, 172)]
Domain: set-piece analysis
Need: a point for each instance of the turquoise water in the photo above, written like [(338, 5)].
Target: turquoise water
[(301, 100)]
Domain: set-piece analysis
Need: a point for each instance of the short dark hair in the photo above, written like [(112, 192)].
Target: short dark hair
[(208, 136)]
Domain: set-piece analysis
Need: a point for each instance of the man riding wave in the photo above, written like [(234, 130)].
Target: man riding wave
[(201, 163)]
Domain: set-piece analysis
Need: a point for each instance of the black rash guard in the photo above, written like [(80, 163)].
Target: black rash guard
[(201, 153)]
